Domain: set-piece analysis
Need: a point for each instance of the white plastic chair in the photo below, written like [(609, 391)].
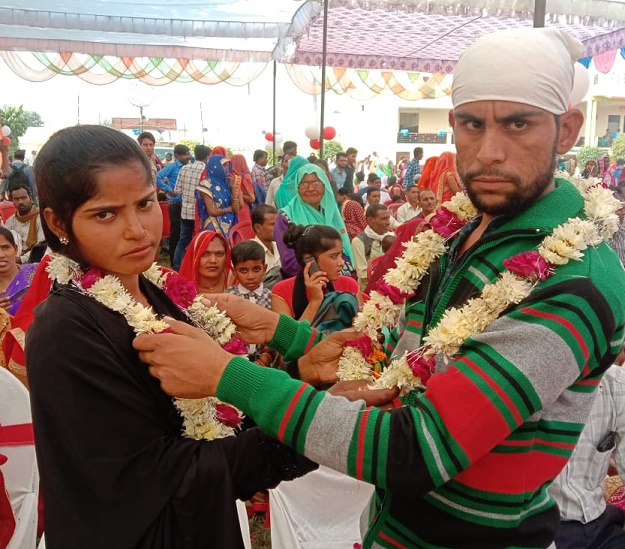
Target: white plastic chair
[(20, 472), (318, 511)]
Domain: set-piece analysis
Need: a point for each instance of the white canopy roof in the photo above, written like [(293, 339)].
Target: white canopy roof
[(425, 35)]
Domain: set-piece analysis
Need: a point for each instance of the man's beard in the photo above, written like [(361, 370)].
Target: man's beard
[(516, 201)]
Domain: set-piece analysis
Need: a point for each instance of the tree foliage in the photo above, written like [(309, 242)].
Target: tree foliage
[(16, 119), (34, 119), (617, 152), (330, 148), (584, 154)]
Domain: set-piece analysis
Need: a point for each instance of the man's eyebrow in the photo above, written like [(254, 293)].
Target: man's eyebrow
[(512, 117)]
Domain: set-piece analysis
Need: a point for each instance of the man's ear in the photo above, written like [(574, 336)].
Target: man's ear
[(571, 123), (54, 223), (451, 118)]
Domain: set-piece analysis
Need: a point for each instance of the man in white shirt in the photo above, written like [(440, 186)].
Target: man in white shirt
[(587, 522), (368, 245), (411, 208), (26, 221), (263, 222)]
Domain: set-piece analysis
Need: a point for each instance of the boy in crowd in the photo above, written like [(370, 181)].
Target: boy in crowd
[(248, 262)]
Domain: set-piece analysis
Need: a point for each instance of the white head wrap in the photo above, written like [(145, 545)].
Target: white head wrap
[(533, 66)]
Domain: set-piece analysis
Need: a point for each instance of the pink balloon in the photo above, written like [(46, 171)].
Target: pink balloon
[(268, 136), (315, 144), (329, 133)]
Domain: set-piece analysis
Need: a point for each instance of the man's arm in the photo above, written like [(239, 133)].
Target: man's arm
[(360, 260), (161, 175)]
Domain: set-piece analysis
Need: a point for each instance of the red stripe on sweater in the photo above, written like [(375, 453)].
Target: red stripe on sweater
[(569, 326), (516, 473), (289, 412), (593, 382), (311, 341), (361, 443), (495, 387), (415, 323), (392, 541), (464, 410)]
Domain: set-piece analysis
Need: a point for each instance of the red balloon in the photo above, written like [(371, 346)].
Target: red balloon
[(268, 136), (329, 133), (315, 144), (7, 140)]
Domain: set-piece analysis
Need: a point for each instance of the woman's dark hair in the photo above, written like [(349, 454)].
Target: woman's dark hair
[(8, 235), (310, 240), (67, 169), (357, 198)]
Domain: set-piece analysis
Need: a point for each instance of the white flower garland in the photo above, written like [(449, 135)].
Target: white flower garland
[(566, 242), (200, 419)]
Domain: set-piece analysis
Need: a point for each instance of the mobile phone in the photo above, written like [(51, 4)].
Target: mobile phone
[(607, 443), (313, 265)]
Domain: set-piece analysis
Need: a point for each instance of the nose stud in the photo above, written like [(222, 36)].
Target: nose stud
[(145, 233)]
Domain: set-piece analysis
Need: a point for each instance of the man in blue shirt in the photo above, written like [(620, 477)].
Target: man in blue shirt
[(414, 168), (166, 181)]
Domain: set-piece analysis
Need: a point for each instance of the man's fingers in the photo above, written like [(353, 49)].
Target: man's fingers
[(150, 342), (345, 335), (378, 397), (181, 328)]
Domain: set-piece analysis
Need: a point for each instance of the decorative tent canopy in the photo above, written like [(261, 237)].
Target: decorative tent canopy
[(210, 41)]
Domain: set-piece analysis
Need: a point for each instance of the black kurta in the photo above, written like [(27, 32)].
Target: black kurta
[(115, 471)]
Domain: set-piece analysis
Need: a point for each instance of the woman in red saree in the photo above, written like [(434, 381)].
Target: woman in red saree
[(240, 168), (445, 181)]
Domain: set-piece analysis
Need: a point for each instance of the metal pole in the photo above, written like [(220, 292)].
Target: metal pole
[(274, 113), (540, 8), (202, 122), (323, 75)]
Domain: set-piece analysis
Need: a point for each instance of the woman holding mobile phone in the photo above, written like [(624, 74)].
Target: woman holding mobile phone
[(319, 253)]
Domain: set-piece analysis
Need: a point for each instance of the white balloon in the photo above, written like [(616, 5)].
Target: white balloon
[(269, 146), (6, 131), (279, 140), (581, 83), (312, 132)]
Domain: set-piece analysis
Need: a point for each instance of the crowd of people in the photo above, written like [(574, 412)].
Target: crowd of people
[(134, 370)]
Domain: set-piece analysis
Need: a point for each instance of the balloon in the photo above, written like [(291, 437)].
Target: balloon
[(6, 131), (329, 133), (314, 144), (268, 136), (312, 132), (279, 140), (7, 140), (581, 83), (269, 146)]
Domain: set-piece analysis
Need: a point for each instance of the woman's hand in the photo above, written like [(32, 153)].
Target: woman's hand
[(320, 364), (187, 361), (359, 390), (5, 303), (254, 323), (315, 283)]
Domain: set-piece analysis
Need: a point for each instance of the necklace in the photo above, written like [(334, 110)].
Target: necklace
[(523, 272), (204, 418), (219, 284)]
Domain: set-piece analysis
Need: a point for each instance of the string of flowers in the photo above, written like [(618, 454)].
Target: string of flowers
[(205, 418), (566, 242)]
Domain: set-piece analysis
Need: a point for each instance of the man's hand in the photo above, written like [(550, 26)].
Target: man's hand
[(320, 364), (359, 390), (254, 323), (187, 362)]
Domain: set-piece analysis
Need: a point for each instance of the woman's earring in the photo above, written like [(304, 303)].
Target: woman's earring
[(64, 240)]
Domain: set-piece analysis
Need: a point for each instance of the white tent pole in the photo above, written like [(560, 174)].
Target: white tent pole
[(274, 113), (323, 75), (540, 8)]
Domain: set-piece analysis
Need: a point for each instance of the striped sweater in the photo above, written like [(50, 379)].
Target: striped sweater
[(466, 464)]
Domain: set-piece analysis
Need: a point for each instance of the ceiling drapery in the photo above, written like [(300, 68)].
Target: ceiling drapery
[(382, 44), (154, 71)]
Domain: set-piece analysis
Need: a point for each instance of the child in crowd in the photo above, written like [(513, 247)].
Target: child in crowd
[(248, 261), (387, 242)]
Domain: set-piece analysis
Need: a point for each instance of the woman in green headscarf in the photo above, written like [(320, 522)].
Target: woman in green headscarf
[(288, 187), (313, 203)]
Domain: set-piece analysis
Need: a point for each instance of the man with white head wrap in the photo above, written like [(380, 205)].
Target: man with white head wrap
[(467, 463)]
